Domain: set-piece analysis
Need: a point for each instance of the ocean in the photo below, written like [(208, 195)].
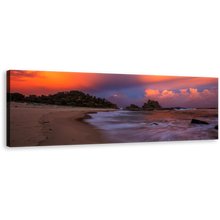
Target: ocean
[(158, 125)]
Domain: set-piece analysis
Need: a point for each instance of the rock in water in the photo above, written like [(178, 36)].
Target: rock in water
[(195, 121), (179, 108), (133, 107), (167, 108), (151, 104), (153, 123), (216, 127)]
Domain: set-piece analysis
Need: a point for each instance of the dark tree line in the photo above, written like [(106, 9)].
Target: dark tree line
[(71, 98)]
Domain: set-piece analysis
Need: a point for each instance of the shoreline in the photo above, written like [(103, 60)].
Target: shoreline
[(66, 128), (85, 116), (44, 125)]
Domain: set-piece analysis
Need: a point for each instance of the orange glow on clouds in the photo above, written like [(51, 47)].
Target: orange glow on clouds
[(191, 98), (193, 90), (45, 82)]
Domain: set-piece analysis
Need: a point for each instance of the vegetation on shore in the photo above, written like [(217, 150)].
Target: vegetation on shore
[(71, 98)]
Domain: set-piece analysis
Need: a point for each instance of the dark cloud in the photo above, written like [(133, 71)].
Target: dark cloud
[(20, 75)]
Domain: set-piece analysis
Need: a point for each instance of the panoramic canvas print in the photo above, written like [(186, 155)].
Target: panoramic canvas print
[(74, 108)]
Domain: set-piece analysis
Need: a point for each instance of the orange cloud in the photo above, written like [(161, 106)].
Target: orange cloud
[(165, 92), (183, 90), (152, 92), (193, 90)]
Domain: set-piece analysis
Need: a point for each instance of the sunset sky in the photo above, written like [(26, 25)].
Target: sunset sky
[(121, 89)]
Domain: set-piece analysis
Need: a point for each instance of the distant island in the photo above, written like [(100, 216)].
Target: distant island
[(73, 98)]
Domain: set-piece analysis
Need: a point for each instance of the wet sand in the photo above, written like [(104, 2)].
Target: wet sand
[(42, 125)]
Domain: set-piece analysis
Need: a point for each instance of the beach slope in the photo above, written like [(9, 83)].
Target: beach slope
[(42, 125)]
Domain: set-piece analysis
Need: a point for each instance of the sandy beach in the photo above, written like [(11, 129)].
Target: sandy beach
[(42, 125)]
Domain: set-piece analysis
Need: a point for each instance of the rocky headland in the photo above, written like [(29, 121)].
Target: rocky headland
[(72, 98), (149, 106)]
